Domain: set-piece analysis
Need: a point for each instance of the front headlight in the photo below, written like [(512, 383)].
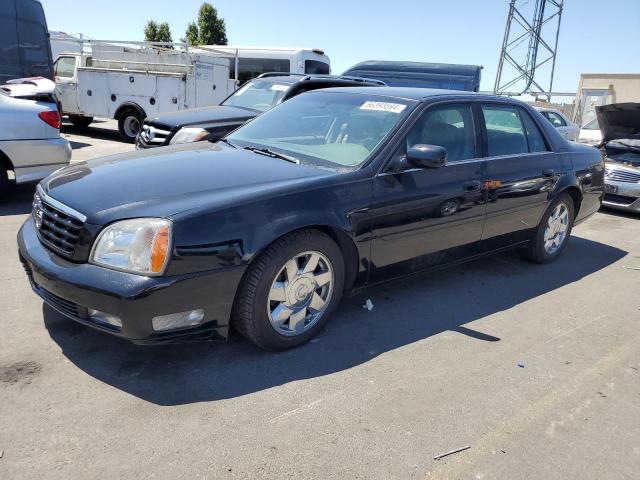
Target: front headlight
[(140, 245), (188, 135)]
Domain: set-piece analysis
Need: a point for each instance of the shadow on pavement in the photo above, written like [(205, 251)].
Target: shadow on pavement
[(405, 312), (17, 201), (95, 130)]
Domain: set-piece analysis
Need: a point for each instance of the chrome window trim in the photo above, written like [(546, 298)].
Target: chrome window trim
[(60, 206)]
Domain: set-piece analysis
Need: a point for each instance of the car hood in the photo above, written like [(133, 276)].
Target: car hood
[(168, 181), (205, 115), (619, 120)]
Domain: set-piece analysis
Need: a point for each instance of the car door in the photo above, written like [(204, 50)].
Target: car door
[(522, 170), (66, 82), (426, 217)]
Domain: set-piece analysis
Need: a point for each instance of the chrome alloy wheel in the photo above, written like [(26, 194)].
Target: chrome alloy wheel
[(556, 232), (300, 293)]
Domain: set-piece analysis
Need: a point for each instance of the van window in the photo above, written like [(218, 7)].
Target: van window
[(314, 67), (505, 132), (65, 66), (24, 40), (34, 38), (10, 66), (249, 68)]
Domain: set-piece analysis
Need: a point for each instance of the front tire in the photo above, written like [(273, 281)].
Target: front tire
[(289, 291), (129, 124), (553, 232)]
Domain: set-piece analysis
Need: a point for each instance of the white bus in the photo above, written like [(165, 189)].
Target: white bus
[(254, 61)]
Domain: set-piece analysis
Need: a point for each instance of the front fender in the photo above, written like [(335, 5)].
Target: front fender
[(237, 234)]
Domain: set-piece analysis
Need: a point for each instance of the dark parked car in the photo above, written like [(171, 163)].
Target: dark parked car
[(327, 193), (253, 98), (25, 50)]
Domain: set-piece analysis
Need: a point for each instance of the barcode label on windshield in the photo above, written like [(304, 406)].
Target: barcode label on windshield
[(383, 107)]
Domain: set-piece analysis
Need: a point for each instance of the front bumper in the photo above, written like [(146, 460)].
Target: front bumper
[(72, 288), (34, 160), (622, 196)]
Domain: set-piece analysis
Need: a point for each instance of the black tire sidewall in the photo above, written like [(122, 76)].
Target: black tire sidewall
[(268, 337), (130, 112)]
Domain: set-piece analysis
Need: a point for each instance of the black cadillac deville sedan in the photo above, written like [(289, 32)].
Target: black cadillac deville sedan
[(327, 193)]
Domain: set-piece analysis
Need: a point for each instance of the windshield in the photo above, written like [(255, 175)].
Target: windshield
[(592, 125), (337, 130), (257, 95)]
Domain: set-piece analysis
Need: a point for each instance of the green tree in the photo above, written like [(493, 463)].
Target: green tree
[(151, 31), (157, 32), (210, 29), (191, 35)]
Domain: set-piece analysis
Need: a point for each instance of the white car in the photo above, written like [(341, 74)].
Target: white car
[(590, 133), (566, 127), (30, 143)]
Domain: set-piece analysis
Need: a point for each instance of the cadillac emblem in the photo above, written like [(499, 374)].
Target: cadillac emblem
[(37, 211)]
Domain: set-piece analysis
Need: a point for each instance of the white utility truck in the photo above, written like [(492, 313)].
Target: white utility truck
[(130, 82)]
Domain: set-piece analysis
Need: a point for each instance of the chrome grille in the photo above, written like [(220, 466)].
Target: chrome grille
[(622, 175), (58, 228), (151, 136)]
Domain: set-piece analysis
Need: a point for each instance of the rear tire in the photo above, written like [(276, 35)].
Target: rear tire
[(130, 124), (80, 121), (553, 232), (289, 292)]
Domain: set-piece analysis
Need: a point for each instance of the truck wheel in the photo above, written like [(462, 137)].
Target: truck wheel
[(129, 124), (80, 121)]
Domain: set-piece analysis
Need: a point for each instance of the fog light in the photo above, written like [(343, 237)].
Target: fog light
[(106, 318), (191, 318)]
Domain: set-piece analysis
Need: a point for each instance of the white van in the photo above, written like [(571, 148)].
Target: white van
[(254, 61)]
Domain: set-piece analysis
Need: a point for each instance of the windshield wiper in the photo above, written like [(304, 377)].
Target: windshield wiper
[(224, 140), (272, 154)]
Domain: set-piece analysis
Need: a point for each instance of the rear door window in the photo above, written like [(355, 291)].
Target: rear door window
[(511, 131), (535, 140), (505, 132)]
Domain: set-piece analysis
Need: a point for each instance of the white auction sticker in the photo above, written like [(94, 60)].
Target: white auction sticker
[(279, 88), (383, 107)]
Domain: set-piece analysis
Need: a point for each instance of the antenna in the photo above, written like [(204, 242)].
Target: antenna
[(528, 55)]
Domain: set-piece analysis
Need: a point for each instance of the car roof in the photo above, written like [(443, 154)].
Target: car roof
[(419, 94), (290, 79)]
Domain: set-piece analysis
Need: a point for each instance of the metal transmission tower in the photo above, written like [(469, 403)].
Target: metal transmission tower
[(528, 56)]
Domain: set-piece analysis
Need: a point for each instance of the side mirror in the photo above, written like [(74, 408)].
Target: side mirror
[(427, 156)]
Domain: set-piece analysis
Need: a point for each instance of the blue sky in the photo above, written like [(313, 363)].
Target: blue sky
[(596, 36)]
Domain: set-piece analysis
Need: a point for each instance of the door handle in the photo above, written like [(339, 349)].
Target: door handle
[(548, 173), (473, 186)]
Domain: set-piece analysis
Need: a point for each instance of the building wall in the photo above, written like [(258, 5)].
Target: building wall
[(617, 87)]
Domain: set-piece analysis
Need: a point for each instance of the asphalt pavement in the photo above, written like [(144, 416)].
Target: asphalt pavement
[(535, 368)]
